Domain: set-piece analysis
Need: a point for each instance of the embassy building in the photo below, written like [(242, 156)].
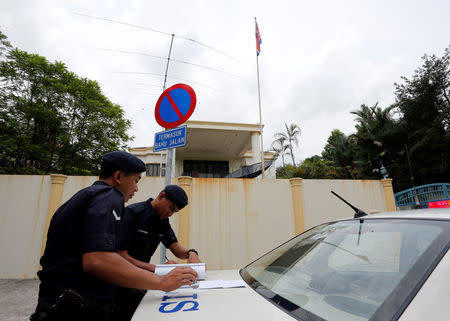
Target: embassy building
[(213, 150)]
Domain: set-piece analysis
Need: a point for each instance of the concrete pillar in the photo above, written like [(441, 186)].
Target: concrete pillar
[(184, 216), (256, 150), (388, 194), (54, 202), (297, 200)]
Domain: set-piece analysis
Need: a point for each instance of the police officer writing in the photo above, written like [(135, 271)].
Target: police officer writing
[(81, 268), (146, 225)]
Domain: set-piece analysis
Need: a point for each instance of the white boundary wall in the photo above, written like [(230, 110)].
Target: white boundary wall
[(232, 221), (24, 203), (320, 206)]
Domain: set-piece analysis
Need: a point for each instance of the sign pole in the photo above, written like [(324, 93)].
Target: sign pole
[(260, 115), (168, 179), (169, 157)]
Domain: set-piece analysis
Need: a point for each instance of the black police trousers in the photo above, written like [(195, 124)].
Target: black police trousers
[(126, 302), (51, 311)]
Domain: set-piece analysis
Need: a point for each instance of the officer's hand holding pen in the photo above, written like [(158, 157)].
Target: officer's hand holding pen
[(170, 261), (178, 277)]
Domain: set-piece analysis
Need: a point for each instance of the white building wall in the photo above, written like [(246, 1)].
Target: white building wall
[(256, 147)]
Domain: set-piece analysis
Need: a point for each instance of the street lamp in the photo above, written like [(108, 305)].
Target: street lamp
[(383, 171)]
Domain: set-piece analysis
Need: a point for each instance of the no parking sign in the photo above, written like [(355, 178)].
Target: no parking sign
[(175, 105)]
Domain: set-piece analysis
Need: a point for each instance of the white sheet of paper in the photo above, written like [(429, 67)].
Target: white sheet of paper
[(200, 268), (221, 284)]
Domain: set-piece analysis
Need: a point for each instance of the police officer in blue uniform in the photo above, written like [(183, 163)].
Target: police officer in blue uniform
[(147, 225), (81, 269)]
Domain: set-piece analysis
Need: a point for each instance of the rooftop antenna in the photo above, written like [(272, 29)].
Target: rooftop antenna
[(358, 212)]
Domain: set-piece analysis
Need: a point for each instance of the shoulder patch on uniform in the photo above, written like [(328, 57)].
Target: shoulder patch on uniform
[(115, 215)]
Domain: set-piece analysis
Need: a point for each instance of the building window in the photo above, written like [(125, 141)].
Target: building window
[(199, 168), (153, 169)]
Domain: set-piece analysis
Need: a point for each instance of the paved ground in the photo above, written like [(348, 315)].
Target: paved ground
[(18, 299)]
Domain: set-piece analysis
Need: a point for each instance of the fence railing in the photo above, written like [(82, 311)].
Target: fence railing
[(423, 194)]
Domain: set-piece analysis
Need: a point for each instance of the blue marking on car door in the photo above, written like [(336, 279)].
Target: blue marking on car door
[(167, 307)]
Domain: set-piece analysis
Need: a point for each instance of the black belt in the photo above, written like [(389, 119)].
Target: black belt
[(70, 305)]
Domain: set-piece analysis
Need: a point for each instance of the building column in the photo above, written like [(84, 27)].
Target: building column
[(388, 194), (256, 150), (184, 217), (297, 200), (54, 202)]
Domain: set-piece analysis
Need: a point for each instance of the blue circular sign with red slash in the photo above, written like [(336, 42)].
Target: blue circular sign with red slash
[(175, 105)]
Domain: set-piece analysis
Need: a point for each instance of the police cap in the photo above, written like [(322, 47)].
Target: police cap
[(121, 160), (176, 195)]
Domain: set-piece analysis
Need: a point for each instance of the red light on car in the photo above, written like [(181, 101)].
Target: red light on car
[(439, 204)]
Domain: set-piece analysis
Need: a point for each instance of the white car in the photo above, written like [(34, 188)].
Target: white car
[(389, 266)]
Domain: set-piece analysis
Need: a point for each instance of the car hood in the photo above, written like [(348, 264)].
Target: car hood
[(209, 304)]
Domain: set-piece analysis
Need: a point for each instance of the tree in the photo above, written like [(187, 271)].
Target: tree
[(286, 171), (52, 121), (290, 137), (4, 44), (280, 147), (315, 167), (340, 150), (423, 102), (373, 128)]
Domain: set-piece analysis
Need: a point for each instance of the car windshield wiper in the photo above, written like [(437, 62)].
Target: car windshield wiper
[(362, 257), (358, 212)]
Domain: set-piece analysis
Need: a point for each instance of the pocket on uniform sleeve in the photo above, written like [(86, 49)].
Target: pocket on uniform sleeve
[(99, 242)]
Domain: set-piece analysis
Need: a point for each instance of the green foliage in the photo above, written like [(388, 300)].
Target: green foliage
[(312, 168), (315, 167), (52, 121), (340, 151), (373, 130), (286, 171)]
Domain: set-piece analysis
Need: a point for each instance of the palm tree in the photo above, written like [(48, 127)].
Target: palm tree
[(280, 147), (290, 137), (373, 129)]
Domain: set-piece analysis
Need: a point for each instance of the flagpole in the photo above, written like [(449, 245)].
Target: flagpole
[(260, 114)]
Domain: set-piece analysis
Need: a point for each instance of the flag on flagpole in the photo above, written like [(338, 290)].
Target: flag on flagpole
[(258, 39)]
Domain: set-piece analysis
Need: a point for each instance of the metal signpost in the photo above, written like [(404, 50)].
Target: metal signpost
[(175, 105)]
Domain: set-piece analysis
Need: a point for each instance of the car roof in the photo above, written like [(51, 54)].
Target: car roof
[(423, 213)]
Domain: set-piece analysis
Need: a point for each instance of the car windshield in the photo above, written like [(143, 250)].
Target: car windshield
[(347, 270)]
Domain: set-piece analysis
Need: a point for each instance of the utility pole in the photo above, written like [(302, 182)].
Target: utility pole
[(416, 198)]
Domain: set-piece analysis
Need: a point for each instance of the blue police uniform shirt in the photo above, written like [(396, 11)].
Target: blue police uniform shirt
[(89, 222), (144, 230)]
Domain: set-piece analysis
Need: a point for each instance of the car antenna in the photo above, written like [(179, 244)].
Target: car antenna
[(358, 212)]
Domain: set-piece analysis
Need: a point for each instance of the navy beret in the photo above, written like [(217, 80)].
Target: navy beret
[(176, 195), (124, 161)]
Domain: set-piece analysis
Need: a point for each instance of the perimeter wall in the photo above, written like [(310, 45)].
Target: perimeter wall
[(231, 222)]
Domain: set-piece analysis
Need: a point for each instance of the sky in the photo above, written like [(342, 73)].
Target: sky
[(319, 60)]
